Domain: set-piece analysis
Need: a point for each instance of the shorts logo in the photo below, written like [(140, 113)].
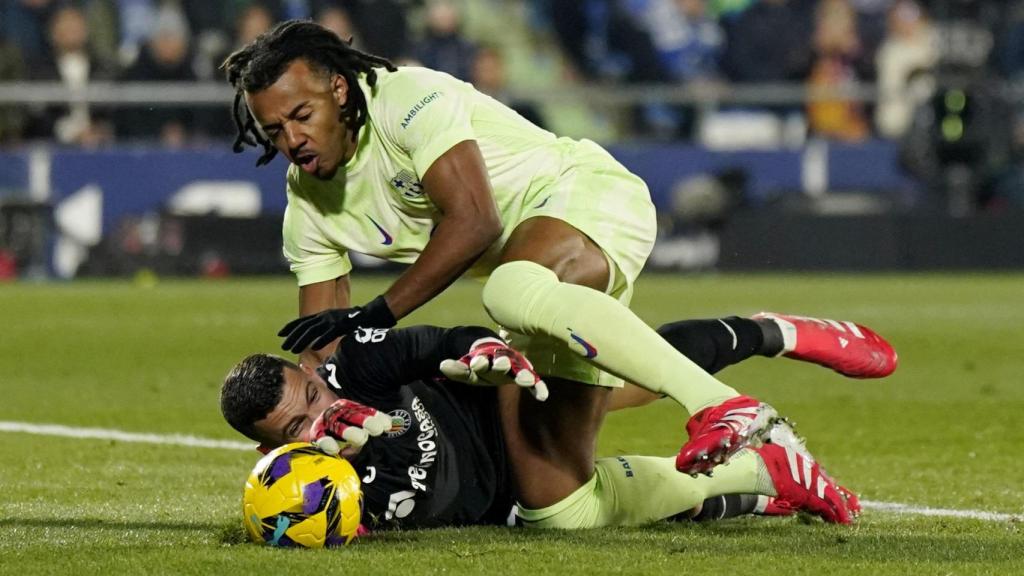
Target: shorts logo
[(387, 237), (400, 423), (406, 183), (582, 347)]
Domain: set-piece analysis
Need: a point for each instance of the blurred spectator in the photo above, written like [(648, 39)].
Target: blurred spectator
[(728, 9), (136, 19), (910, 51), (337, 20), (165, 58), (489, 77), (102, 19), (12, 67), (768, 43), (443, 47), (871, 26), (837, 47), (71, 62), (384, 23), (254, 20), (606, 39), (23, 23), (687, 39), (1010, 56)]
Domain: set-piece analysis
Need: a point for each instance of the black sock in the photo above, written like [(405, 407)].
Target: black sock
[(771, 334), (727, 506), (715, 344)]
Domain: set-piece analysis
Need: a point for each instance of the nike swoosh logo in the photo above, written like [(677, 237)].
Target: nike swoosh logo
[(589, 350), (541, 205), (354, 314), (387, 237)]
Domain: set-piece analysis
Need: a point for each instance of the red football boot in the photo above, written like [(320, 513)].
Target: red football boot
[(783, 434), (802, 485), (852, 501), (771, 506), (851, 349), (718, 432)]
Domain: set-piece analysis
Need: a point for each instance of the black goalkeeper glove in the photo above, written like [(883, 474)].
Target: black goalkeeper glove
[(318, 330)]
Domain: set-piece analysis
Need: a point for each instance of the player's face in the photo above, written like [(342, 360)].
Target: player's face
[(304, 397), (299, 114)]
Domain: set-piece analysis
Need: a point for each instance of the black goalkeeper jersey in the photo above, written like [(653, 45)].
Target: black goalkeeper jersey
[(443, 462)]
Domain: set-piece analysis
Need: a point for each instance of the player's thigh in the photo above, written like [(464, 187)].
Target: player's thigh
[(551, 445), (561, 248), (596, 222)]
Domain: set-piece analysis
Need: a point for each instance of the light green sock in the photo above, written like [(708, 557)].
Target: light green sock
[(637, 490), (528, 298)]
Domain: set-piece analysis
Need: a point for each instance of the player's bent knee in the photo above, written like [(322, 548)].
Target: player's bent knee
[(513, 289)]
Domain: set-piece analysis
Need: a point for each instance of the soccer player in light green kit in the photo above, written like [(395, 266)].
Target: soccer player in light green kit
[(414, 166)]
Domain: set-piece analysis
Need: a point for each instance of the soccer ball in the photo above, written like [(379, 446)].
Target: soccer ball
[(299, 496)]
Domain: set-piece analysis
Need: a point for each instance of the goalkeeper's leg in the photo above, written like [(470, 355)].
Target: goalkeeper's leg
[(711, 344)]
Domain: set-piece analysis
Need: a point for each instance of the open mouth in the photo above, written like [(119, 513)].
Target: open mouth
[(308, 162)]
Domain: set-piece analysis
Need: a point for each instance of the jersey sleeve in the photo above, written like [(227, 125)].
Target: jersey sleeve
[(425, 113), (371, 364), (310, 257)]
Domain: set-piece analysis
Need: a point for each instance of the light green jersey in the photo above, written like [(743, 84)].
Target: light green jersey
[(375, 204)]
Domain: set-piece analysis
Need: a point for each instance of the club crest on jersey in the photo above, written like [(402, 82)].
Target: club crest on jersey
[(400, 423), (406, 184)]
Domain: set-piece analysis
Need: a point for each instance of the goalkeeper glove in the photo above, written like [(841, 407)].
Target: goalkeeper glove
[(345, 427), (318, 330), (492, 362)]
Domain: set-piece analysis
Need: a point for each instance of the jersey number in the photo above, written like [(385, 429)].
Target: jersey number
[(400, 504)]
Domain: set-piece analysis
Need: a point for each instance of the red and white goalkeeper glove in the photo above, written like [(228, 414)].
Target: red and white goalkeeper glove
[(345, 426), (492, 362)]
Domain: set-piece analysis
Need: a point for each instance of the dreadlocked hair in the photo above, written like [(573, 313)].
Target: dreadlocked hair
[(262, 61)]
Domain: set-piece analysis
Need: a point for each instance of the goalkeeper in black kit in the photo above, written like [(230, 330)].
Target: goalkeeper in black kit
[(453, 427)]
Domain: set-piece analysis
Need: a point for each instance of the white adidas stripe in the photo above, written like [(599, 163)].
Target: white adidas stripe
[(197, 442), (853, 328)]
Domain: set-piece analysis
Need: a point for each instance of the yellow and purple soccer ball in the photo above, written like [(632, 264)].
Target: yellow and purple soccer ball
[(299, 496)]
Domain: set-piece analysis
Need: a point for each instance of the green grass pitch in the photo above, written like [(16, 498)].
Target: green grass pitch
[(944, 432)]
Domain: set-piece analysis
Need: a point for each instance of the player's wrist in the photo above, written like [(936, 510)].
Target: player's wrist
[(378, 314)]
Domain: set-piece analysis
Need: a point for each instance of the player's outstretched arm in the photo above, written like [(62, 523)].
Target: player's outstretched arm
[(458, 185), (371, 364)]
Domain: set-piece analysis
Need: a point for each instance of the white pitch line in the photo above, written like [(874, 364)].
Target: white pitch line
[(197, 442), (897, 508), (121, 435)]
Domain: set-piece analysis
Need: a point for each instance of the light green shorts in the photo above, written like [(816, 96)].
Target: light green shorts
[(578, 510), (612, 206)]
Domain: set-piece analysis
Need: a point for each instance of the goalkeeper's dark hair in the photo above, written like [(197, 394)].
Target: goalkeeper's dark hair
[(260, 63), (252, 390)]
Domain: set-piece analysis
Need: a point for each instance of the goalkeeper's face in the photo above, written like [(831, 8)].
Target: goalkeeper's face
[(304, 397), (300, 114)]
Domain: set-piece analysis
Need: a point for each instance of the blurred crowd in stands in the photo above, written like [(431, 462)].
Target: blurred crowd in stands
[(529, 44)]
